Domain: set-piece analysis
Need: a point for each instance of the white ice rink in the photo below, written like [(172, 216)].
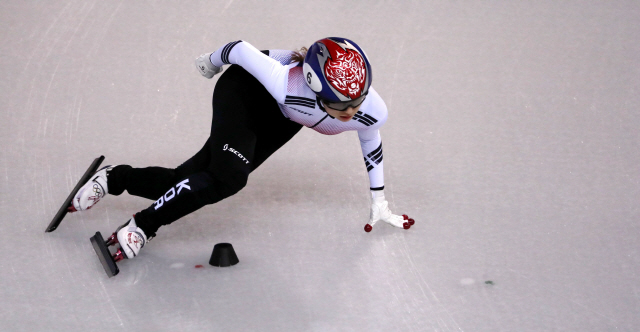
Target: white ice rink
[(513, 140)]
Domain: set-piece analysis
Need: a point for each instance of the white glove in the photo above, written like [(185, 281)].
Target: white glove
[(205, 67), (380, 211)]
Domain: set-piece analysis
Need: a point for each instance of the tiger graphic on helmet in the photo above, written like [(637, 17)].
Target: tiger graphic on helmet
[(345, 70), (337, 70)]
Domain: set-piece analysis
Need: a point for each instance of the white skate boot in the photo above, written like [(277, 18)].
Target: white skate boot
[(92, 191), (131, 239)]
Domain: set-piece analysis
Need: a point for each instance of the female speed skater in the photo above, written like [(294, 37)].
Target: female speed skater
[(260, 102)]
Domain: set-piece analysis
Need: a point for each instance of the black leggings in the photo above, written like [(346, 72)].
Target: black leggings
[(247, 127)]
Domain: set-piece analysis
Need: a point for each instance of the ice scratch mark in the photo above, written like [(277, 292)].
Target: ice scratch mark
[(395, 72), (44, 101), (79, 110), (225, 7), (78, 27), (433, 295), (99, 40), (111, 303), (44, 37)]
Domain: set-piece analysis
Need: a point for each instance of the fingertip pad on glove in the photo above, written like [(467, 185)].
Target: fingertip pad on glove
[(409, 220)]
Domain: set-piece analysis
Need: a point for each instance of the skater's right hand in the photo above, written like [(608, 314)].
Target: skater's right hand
[(380, 211), (205, 67)]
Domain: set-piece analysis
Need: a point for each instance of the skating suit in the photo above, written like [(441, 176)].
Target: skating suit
[(259, 103)]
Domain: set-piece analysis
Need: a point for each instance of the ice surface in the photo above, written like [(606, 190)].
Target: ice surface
[(512, 140)]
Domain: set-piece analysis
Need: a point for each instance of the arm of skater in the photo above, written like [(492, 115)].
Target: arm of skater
[(270, 72), (371, 145)]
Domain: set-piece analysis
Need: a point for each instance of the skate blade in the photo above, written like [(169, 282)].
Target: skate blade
[(104, 255), (62, 212)]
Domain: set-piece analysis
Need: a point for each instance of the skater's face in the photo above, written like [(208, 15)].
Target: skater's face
[(344, 111), (345, 115)]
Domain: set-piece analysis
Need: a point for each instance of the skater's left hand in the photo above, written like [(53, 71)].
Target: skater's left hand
[(205, 67), (380, 211)]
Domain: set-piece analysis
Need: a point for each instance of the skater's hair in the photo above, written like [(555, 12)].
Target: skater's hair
[(299, 55)]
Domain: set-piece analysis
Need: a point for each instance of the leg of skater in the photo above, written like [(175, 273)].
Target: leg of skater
[(148, 182), (242, 111), (152, 182), (231, 151)]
